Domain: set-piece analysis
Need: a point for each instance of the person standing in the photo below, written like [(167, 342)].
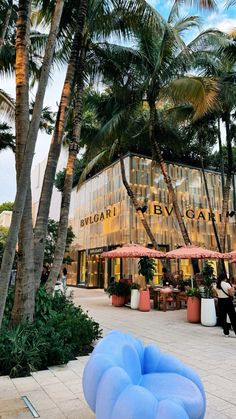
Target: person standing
[(225, 293), (63, 278), (44, 275)]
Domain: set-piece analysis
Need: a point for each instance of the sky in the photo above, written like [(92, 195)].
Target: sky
[(222, 19)]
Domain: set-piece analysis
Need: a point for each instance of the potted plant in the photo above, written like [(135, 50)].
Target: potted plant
[(134, 302), (118, 291), (147, 267), (208, 310), (193, 305)]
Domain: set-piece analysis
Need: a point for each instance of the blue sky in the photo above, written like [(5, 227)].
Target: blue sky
[(222, 19)]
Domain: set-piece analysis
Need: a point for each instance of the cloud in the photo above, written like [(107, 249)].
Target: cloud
[(225, 25)]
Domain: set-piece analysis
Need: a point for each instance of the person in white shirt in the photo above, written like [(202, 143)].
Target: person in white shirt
[(225, 292)]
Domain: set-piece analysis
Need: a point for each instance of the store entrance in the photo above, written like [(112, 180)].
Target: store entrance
[(96, 271)]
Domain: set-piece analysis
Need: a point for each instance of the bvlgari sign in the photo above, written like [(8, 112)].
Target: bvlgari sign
[(197, 214), (99, 216)]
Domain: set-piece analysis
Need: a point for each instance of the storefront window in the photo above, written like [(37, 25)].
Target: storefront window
[(82, 267)]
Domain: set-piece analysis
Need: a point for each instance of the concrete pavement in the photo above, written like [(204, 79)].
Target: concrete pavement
[(57, 392)]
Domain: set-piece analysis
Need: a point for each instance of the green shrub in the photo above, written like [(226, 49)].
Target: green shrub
[(60, 332), (208, 279), (21, 350), (147, 268), (120, 289)]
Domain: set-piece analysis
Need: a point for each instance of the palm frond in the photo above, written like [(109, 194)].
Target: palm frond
[(230, 3), (200, 92), (89, 167), (113, 149), (200, 4), (7, 105), (187, 23)]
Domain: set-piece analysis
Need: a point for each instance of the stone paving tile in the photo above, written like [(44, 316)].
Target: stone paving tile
[(45, 377), (25, 384), (65, 375), (54, 413), (17, 415), (81, 414), (215, 403), (70, 406), (58, 392), (40, 400), (8, 394), (75, 385)]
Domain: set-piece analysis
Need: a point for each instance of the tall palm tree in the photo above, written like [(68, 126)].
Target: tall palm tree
[(68, 182), (101, 22), (24, 178), (224, 70), (161, 57), (55, 147)]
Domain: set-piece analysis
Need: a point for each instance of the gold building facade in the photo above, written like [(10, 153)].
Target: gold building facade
[(102, 217)]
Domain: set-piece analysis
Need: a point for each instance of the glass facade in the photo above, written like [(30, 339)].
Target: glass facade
[(102, 217)]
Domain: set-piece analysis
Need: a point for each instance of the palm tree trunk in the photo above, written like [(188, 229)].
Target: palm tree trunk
[(136, 204), (24, 299), (55, 148), (222, 168), (225, 203), (68, 184), (5, 23), (212, 215), (158, 157), (24, 179), (25, 251)]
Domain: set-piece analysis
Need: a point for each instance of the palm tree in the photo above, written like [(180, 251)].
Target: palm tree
[(24, 178), (161, 66), (224, 70), (54, 152), (101, 21), (68, 182)]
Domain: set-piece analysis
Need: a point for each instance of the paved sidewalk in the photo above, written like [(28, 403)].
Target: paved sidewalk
[(57, 392)]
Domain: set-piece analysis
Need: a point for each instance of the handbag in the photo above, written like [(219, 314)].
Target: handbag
[(229, 296)]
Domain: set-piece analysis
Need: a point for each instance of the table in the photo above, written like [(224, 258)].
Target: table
[(156, 296)]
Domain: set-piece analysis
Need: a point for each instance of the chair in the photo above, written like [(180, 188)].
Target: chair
[(182, 297), (125, 379), (167, 299)]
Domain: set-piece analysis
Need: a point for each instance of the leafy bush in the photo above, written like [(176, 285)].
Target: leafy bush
[(21, 350), (193, 292), (208, 279), (60, 332), (135, 286), (120, 289), (147, 268)]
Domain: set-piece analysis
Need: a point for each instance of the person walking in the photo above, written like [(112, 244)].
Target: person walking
[(225, 293)]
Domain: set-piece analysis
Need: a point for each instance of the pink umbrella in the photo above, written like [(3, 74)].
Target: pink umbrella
[(231, 256), (132, 251), (193, 252)]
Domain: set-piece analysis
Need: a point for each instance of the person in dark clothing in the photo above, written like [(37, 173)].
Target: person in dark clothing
[(225, 293), (44, 276), (167, 279)]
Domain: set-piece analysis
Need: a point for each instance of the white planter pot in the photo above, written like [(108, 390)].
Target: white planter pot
[(134, 302), (208, 312)]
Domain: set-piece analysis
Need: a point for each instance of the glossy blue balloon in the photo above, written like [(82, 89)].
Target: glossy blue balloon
[(125, 379)]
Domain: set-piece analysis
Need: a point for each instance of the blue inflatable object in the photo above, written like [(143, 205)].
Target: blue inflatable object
[(123, 379)]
